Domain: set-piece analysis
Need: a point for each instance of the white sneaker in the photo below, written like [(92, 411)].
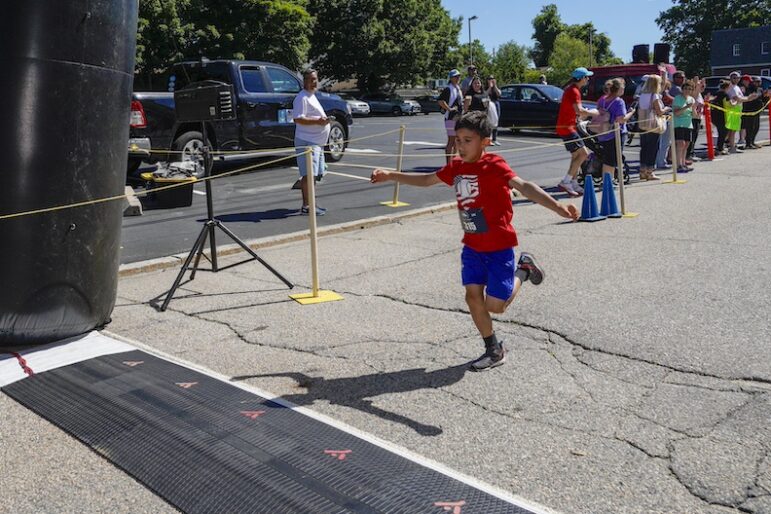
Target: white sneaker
[(568, 188), (741, 142), (577, 187)]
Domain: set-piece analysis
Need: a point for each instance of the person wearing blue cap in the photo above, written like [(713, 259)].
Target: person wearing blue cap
[(570, 109), (451, 102)]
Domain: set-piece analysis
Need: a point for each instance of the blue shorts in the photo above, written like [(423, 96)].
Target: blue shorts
[(492, 269), (317, 157)]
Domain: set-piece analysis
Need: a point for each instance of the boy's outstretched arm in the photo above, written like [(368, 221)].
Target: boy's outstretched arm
[(532, 192), (411, 179)]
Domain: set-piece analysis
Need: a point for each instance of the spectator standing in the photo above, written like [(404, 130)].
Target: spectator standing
[(682, 109), (471, 73), (650, 102), (614, 105), (570, 110), (721, 102), (495, 96), (665, 139), (542, 80), (733, 115), (476, 99), (451, 102), (751, 117), (698, 112), (312, 131)]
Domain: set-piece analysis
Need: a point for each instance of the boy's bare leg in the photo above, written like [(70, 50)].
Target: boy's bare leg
[(475, 299)]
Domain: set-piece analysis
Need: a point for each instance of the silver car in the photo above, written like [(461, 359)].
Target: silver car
[(357, 107)]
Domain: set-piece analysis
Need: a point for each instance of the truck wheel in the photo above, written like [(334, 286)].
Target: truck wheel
[(190, 144), (336, 146)]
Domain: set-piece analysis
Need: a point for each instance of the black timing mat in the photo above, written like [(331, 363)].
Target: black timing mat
[(207, 446)]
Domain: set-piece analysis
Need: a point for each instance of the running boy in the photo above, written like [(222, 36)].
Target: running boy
[(483, 184)]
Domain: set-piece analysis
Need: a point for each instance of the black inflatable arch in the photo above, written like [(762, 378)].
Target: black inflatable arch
[(66, 73)]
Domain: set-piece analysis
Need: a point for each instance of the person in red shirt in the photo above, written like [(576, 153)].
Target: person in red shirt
[(570, 109), (483, 183)]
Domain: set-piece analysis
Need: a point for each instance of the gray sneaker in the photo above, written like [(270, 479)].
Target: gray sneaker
[(536, 273), (493, 357)]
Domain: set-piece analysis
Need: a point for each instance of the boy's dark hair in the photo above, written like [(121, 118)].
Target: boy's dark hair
[(475, 121), (724, 84)]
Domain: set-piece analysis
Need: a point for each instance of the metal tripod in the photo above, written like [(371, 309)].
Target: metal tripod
[(207, 231)]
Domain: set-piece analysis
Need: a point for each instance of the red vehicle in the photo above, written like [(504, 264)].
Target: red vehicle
[(631, 73)]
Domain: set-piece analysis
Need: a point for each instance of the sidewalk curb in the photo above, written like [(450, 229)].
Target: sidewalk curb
[(136, 268)]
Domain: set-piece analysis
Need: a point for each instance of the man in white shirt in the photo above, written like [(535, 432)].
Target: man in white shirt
[(311, 131)]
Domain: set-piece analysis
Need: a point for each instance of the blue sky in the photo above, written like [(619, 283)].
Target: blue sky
[(500, 21)]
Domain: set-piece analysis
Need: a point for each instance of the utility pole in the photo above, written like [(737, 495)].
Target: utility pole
[(470, 48)]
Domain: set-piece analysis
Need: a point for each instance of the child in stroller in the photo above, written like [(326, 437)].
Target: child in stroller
[(593, 165)]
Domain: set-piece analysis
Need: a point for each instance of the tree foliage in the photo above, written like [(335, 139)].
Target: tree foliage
[(568, 54), (509, 63), (548, 25), (173, 30), (382, 41), (688, 27)]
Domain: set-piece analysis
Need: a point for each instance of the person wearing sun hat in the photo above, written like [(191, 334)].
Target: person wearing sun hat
[(451, 102), (570, 109)]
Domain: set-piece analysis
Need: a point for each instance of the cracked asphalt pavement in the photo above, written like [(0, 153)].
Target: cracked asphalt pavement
[(638, 378)]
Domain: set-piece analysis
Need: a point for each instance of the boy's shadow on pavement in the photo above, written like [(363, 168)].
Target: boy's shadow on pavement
[(355, 392)]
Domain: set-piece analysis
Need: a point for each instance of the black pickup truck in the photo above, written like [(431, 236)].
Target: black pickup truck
[(264, 95)]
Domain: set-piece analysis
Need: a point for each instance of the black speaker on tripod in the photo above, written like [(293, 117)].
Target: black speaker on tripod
[(641, 53), (205, 102), (661, 52)]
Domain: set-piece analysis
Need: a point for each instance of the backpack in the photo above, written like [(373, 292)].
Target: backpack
[(600, 124)]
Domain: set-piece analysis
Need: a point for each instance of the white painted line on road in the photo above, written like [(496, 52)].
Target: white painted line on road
[(370, 438), (362, 150), (202, 193), (365, 166), (422, 143)]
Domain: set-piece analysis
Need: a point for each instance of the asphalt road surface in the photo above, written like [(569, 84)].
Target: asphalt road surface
[(260, 203)]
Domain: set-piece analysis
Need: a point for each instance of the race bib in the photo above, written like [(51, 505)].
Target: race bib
[(473, 221)]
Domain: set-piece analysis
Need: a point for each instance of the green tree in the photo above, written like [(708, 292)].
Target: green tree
[(173, 30), (162, 35), (688, 27), (601, 52), (569, 53), (509, 63), (382, 41), (547, 25)]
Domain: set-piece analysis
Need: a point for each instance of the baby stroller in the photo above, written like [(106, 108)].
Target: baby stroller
[(593, 165)]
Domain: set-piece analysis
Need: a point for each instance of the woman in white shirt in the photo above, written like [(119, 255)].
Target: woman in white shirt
[(650, 101)]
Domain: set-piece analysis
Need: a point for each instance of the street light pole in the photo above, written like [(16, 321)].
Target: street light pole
[(470, 49)]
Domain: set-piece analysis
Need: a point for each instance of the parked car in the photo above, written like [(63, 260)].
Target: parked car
[(264, 93), (385, 103), (358, 107), (428, 103), (531, 106)]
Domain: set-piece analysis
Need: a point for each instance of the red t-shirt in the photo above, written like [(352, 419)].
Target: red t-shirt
[(484, 201), (566, 120)]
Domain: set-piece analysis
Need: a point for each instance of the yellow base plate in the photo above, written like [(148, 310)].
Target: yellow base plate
[(674, 181), (630, 215), (309, 299), (397, 204)]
